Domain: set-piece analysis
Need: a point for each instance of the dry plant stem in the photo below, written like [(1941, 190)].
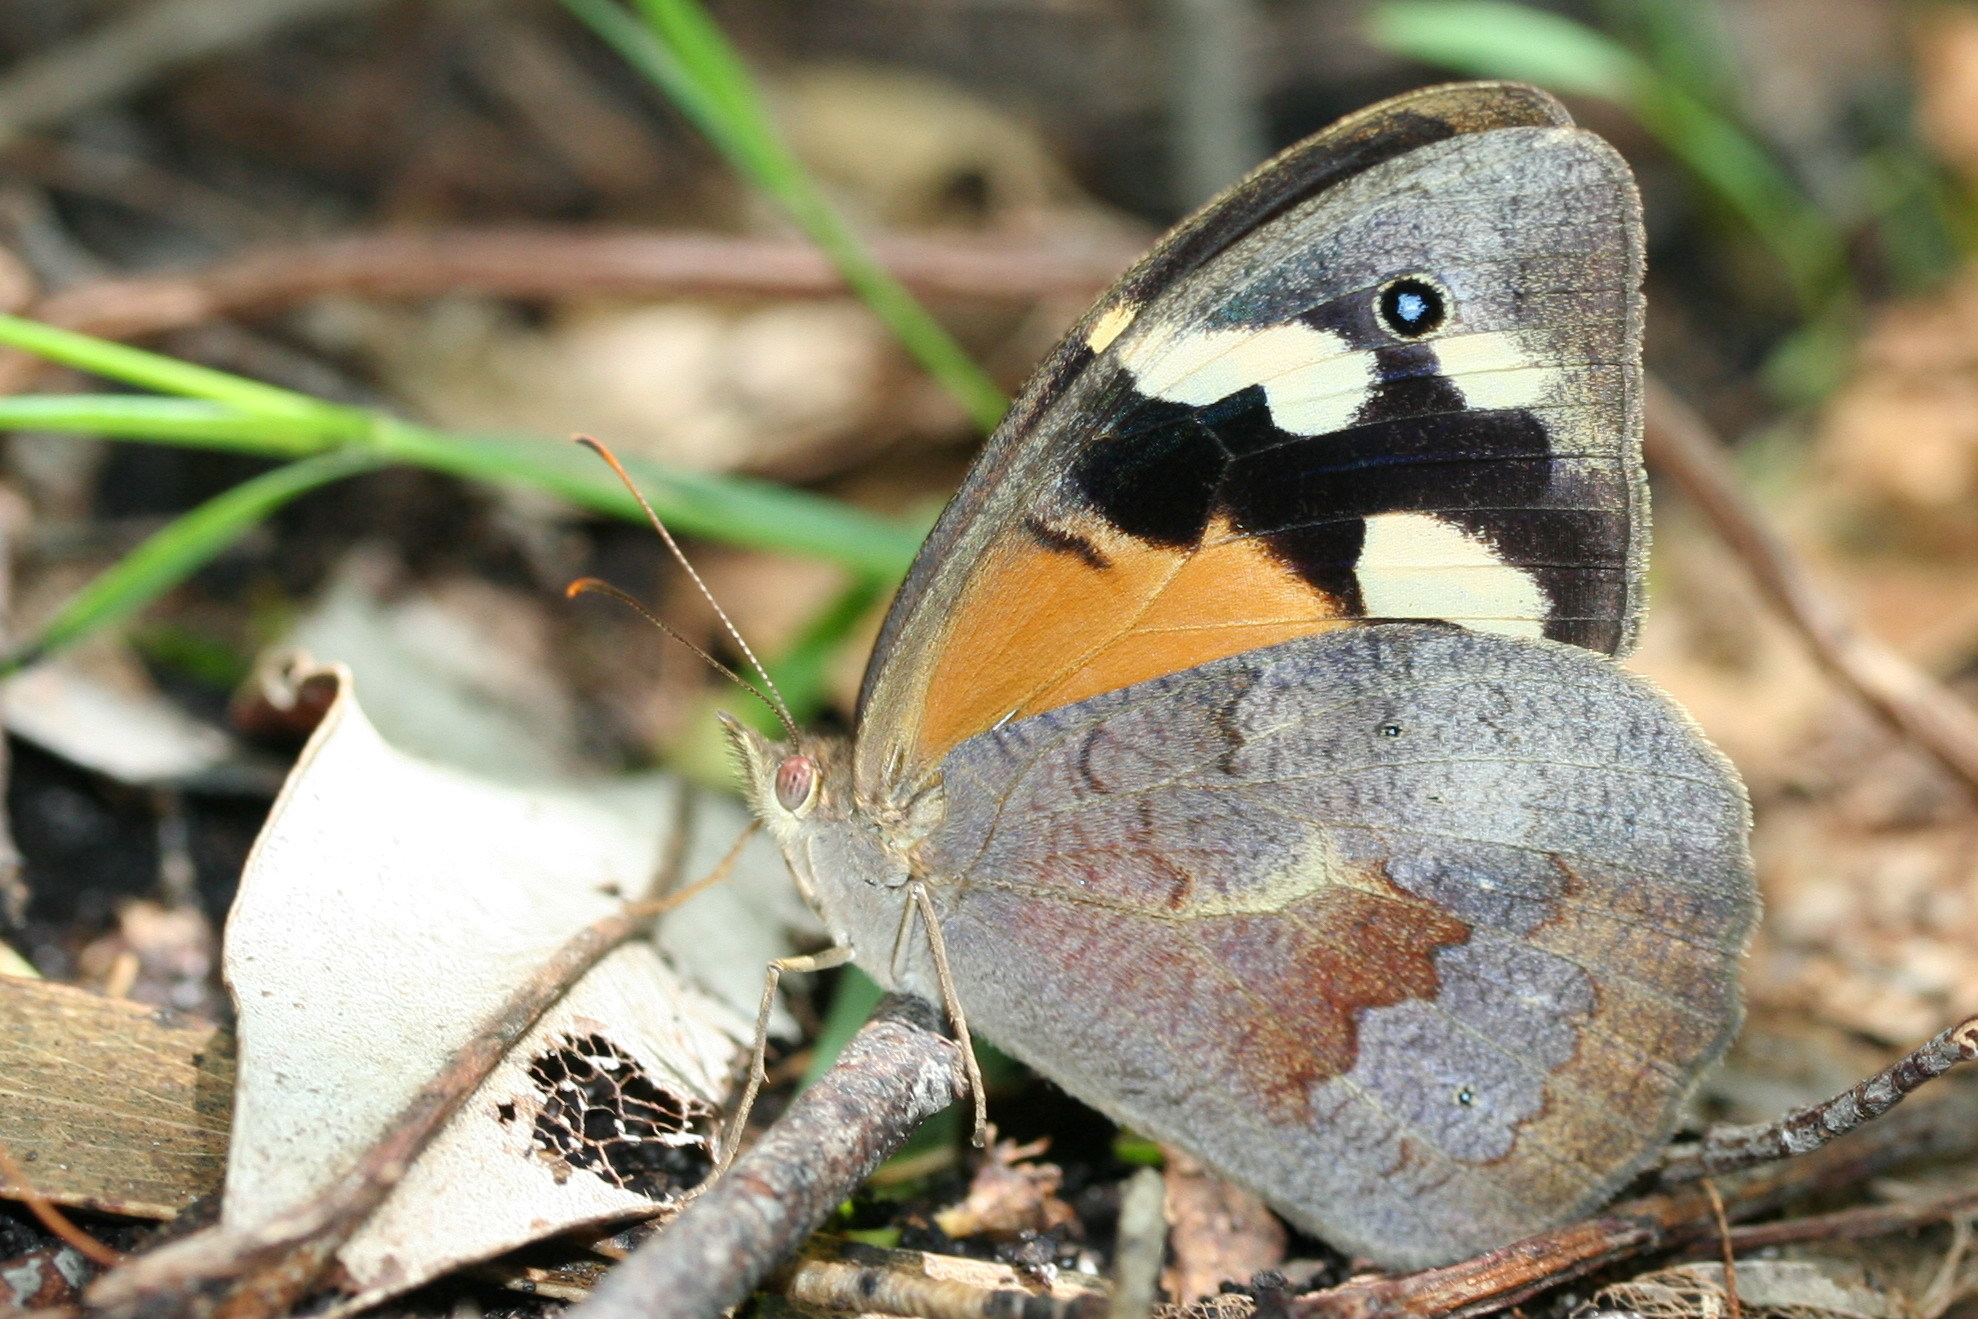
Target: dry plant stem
[(1857, 1224), (1725, 1149), (1505, 1277), (548, 263), (1732, 1304), (896, 1072), (52, 1218), (1680, 446), (266, 1270)]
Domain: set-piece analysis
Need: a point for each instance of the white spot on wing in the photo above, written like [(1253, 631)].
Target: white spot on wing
[(1414, 565), (1313, 381), (1493, 371)]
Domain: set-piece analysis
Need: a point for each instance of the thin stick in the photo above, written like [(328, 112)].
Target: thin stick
[(901, 1282), (551, 262), (1680, 446), (897, 1071), (1856, 1224), (778, 705), (1725, 1149), (52, 1218), (1731, 1301)]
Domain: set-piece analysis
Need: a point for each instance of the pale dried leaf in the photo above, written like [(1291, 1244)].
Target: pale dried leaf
[(135, 737), (389, 907)]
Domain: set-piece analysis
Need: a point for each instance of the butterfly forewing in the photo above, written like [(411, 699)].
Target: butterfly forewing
[(1410, 392)]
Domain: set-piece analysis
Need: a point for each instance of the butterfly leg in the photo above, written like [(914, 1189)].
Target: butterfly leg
[(731, 1140), (951, 1004)]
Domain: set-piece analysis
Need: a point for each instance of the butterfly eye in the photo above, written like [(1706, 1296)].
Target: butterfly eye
[(1411, 307), (796, 780)]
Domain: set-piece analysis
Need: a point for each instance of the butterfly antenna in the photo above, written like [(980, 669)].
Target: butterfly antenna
[(593, 586), (774, 700)]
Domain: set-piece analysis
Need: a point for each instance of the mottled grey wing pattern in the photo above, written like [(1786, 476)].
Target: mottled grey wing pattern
[(1421, 933)]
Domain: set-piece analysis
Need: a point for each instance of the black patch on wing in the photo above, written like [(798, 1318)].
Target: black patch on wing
[(1164, 470), (1156, 478), (1065, 542)]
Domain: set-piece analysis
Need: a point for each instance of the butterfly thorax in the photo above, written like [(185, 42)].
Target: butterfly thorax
[(850, 856)]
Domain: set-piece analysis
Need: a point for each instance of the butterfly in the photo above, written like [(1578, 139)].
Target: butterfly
[(1245, 751)]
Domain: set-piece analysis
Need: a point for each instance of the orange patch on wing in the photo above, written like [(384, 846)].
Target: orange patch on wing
[(1043, 626)]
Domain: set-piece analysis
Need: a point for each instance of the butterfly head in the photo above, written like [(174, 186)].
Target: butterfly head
[(802, 792)]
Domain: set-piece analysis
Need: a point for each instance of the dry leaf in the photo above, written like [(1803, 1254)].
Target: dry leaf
[(1217, 1232), (1009, 1195), (389, 907), (456, 670), (131, 734)]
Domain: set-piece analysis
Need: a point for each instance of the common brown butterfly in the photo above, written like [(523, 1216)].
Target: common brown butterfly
[(1249, 724)]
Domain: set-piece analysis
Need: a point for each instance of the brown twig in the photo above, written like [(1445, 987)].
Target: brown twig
[(265, 1270), (554, 263), (1681, 447), (1856, 1224), (1732, 1303), (1725, 1149), (52, 1218), (895, 1073), (1505, 1277)]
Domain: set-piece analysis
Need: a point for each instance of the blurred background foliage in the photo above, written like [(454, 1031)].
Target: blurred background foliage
[(305, 297)]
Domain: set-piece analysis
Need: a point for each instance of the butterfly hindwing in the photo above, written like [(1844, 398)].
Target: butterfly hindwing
[(1394, 375), (1420, 932)]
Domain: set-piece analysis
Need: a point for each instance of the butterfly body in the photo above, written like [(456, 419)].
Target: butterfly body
[(1248, 719)]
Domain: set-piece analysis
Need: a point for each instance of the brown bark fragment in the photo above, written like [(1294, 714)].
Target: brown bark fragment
[(112, 1105)]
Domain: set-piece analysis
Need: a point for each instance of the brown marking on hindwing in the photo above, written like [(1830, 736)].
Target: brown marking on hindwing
[(1273, 999), (1061, 613)]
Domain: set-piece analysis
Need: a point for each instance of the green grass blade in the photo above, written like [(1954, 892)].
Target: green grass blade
[(682, 51), (181, 548), (135, 366), (232, 416), (176, 421), (1496, 39), (1751, 184)]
